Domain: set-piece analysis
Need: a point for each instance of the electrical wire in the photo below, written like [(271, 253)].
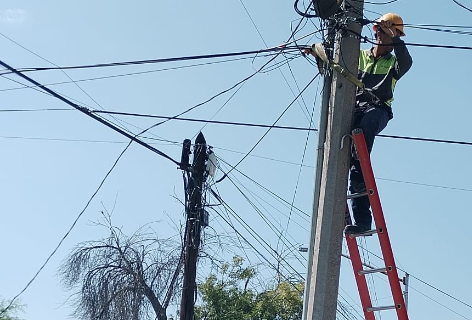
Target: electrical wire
[(140, 72), (66, 234), (280, 70), (255, 125), (277, 127), (211, 98), (267, 221), (462, 6), (303, 14), (273, 194), (251, 245), (277, 49), (78, 103), (255, 234), (467, 33), (302, 160), (65, 73), (377, 3), (282, 47), (241, 246), (422, 281), (90, 114), (271, 205), (425, 45), (268, 130)]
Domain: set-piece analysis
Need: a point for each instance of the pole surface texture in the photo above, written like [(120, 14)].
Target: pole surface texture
[(324, 278)]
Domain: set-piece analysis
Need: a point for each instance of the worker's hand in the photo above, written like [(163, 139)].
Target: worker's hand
[(388, 28)]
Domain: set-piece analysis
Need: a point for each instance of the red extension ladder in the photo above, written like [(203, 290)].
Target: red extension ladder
[(381, 230)]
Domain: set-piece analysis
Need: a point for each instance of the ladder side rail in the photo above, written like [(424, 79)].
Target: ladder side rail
[(356, 262), (385, 245)]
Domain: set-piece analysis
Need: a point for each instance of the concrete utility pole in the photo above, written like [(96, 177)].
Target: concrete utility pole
[(325, 269), (195, 221), (328, 78)]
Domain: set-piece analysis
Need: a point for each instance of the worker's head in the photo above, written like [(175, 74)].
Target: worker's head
[(396, 20), (387, 26)]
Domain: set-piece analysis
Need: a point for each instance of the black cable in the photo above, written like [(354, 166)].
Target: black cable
[(460, 32), (36, 110), (301, 162), (288, 64), (426, 139), (426, 45), (268, 130), (89, 113), (65, 73), (215, 96), (81, 104), (138, 73), (276, 127), (436, 26), (377, 3), (256, 236), (254, 248), (207, 121), (163, 60), (240, 124), (428, 27), (304, 14), (422, 281), (462, 6), (276, 196), (67, 233), (281, 237)]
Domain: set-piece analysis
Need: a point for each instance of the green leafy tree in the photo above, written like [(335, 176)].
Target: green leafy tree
[(8, 312), (226, 296)]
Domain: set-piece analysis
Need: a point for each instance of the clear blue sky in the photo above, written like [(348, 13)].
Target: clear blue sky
[(52, 161)]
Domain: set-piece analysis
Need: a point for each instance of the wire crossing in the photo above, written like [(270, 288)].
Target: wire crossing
[(88, 113)]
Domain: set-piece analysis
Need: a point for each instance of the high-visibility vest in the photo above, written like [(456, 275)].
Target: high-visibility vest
[(379, 75)]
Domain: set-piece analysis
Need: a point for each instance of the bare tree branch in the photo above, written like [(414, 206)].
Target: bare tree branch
[(123, 277)]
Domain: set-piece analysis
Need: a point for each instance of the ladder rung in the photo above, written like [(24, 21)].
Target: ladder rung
[(363, 234), (374, 270), (356, 195), (372, 309)]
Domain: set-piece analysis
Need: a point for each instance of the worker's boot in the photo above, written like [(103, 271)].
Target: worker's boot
[(355, 229)]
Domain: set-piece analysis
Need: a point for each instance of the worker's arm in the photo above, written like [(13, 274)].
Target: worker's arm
[(404, 61)]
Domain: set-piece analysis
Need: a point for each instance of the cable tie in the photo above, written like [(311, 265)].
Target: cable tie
[(83, 109), (363, 21)]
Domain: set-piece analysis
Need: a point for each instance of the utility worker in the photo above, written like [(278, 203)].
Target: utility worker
[(379, 70)]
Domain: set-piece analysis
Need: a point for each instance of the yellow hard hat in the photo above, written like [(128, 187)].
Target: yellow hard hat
[(395, 18)]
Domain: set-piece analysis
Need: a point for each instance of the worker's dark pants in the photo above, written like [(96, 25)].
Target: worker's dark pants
[(372, 121)]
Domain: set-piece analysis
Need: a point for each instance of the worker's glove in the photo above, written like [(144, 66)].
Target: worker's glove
[(319, 63)]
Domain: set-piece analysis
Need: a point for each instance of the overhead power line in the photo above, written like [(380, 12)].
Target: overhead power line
[(366, 39), (163, 60), (139, 72), (87, 112), (207, 121), (462, 6), (245, 124), (2, 311), (242, 124), (422, 281)]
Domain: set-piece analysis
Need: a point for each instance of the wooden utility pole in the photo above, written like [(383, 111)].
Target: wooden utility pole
[(325, 269), (195, 215)]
